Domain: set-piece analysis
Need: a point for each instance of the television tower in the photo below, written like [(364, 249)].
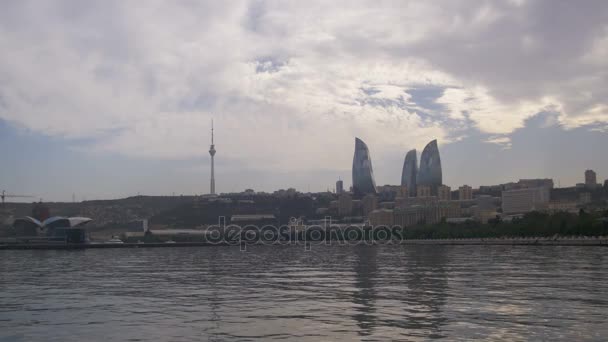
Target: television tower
[(212, 153)]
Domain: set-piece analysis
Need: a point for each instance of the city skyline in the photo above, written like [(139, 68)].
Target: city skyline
[(580, 178), (117, 112)]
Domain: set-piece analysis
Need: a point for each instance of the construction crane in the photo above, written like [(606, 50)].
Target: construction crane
[(4, 195)]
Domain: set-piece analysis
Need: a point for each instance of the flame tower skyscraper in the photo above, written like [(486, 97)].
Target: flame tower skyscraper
[(212, 153), (363, 174)]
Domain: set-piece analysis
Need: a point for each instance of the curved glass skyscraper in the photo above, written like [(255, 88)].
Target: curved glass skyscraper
[(408, 174), (363, 174), (430, 167)]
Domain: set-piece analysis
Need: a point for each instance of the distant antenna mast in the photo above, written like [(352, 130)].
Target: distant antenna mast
[(212, 153)]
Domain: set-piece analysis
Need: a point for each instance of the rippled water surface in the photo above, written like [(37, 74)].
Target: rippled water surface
[(286, 293)]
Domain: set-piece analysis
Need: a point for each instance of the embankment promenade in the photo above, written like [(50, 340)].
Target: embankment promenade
[(530, 241)]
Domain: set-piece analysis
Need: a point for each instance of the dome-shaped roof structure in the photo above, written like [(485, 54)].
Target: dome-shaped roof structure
[(52, 222)]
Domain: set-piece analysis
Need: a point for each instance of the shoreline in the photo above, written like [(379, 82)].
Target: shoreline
[(601, 241)]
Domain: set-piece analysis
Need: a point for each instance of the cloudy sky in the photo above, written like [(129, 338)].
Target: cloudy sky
[(106, 98)]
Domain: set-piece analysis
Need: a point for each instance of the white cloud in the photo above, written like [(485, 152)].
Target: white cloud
[(287, 79), (489, 114), (504, 141)]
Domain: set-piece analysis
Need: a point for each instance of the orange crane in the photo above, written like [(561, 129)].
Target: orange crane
[(4, 195)]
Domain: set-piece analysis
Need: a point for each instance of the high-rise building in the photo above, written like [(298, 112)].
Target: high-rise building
[(430, 172), (444, 193), (465, 192), (590, 178), (525, 200), (212, 153), (339, 187), (363, 173), (408, 174)]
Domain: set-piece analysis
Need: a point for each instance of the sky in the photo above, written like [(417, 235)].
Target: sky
[(111, 98)]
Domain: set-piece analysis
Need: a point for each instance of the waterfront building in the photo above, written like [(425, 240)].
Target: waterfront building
[(444, 193), (178, 235), (465, 192), (339, 187), (258, 220), (402, 191), (584, 198), (467, 208), (487, 202), (369, 203), (409, 172), (416, 215), (428, 210), (484, 215), (590, 179), (426, 201), (429, 172), (390, 192), (449, 209), (563, 206), (458, 220), (496, 190), (387, 205), (322, 211), (525, 200), (345, 205), (381, 217), (363, 174), (334, 208), (53, 229), (423, 191), (357, 207), (534, 183), (492, 190)]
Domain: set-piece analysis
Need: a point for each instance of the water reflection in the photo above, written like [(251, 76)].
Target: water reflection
[(337, 293), (426, 284), (409, 288), (366, 270)]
